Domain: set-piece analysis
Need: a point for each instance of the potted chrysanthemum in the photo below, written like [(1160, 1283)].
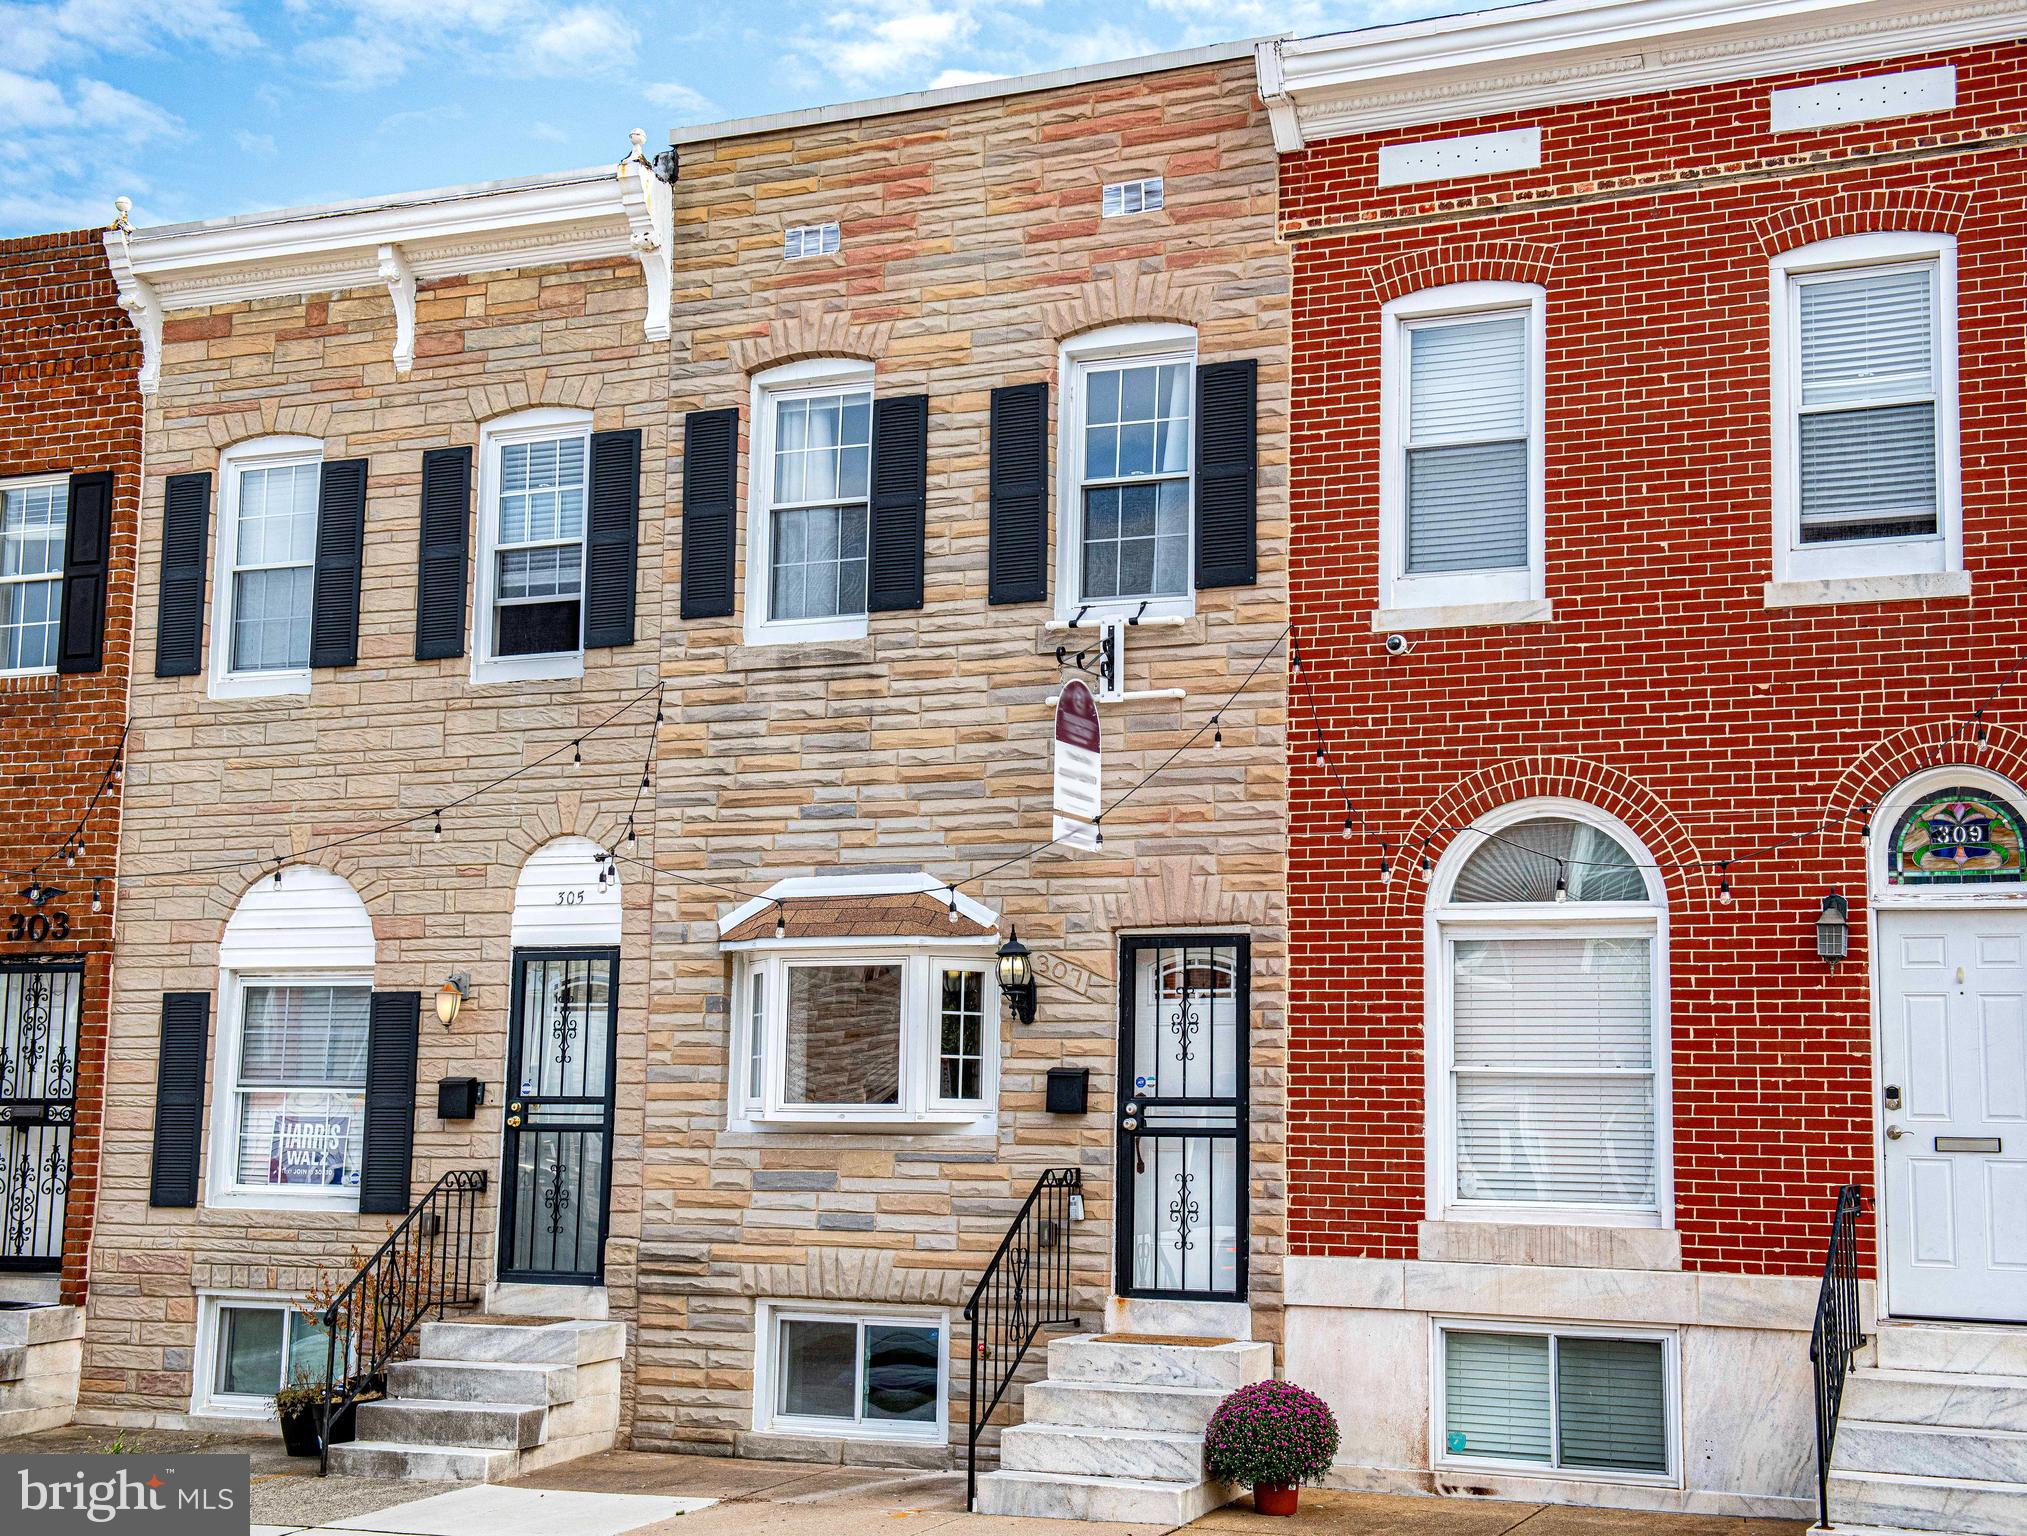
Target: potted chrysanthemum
[(1274, 1436)]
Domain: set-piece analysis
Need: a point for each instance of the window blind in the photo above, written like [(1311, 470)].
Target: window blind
[(1467, 445), (1612, 1410), (1866, 438), (1521, 862), (1496, 1395)]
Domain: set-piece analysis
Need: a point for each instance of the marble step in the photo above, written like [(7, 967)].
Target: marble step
[(1167, 1410), (1935, 1397), (567, 1343), (1961, 1506), (474, 1381), (1227, 1366), (1964, 1349), (421, 1421), (423, 1463), (1115, 1453), (1130, 1501)]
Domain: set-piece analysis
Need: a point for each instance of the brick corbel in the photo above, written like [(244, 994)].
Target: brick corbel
[(810, 331), (1125, 298), (1463, 261), (1871, 210)]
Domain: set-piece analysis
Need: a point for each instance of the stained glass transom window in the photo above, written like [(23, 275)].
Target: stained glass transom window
[(1957, 836)]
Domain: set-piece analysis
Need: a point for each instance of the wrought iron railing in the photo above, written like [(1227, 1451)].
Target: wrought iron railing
[(1838, 1334), (428, 1263), (1025, 1289)]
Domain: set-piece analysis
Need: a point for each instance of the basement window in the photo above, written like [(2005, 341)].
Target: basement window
[(870, 1375), (252, 1347), (802, 240), (1129, 197)]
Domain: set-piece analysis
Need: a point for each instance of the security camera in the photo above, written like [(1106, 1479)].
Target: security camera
[(1399, 645)]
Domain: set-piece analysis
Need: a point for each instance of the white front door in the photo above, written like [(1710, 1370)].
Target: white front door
[(1953, 1056)]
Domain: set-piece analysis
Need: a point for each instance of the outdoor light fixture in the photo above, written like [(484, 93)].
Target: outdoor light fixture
[(1017, 978), (1833, 930), (451, 996)]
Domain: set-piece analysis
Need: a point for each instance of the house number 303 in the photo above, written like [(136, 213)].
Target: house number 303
[(38, 927), (570, 898)]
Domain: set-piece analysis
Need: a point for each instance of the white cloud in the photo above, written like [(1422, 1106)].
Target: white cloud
[(951, 77), (41, 35), (876, 45), (688, 105), (381, 41), (26, 102), (355, 60), (259, 145), (583, 37)]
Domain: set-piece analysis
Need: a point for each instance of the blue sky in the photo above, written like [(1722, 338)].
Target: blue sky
[(200, 108)]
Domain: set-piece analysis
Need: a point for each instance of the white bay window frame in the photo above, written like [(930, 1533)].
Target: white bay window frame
[(523, 427), (1449, 921), (1433, 600), (265, 453), (1915, 566)]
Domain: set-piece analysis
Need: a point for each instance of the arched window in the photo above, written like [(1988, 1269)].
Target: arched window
[(1549, 1012)]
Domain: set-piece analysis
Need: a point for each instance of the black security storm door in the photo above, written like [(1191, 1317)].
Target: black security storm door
[(38, 1103)]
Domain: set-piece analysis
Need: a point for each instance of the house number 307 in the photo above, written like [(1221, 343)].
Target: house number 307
[(570, 898), (38, 927)]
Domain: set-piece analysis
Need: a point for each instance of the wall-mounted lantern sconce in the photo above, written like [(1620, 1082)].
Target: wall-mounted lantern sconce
[(1017, 978), (1833, 930), (455, 992)]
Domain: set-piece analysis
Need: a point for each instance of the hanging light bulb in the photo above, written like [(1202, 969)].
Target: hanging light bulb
[(1346, 833), (436, 831), (1562, 883), (1724, 883), (952, 909), (34, 892), (576, 752), (1217, 735), (97, 900), (645, 782), (278, 876), (632, 837), (1386, 867), (119, 770), (658, 709), (780, 922), (1321, 755), (1098, 840), (1427, 869)]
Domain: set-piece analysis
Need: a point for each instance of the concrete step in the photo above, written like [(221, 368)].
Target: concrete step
[(422, 1463), (474, 1381), (1112, 1453), (564, 1343), (1956, 1505), (522, 1299), (482, 1426), (1957, 1348), (1935, 1397), (1112, 1360), (1928, 1450), (1168, 1410), (1056, 1496)]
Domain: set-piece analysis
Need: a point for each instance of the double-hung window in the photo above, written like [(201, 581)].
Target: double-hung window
[(1461, 456), (1865, 408), (32, 519), (1551, 1054), (810, 532), (267, 560), (1128, 470), (534, 491), (295, 1075)]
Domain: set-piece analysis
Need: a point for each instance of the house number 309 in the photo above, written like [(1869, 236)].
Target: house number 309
[(38, 927)]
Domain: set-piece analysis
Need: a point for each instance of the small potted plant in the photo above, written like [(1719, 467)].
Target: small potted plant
[(1274, 1436), (300, 1408)]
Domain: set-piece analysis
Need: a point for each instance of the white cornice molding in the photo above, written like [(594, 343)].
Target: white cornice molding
[(1558, 51), (611, 212)]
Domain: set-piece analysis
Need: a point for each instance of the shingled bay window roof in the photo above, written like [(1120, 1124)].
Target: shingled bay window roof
[(839, 909)]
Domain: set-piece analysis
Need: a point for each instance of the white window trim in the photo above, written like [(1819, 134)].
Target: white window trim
[(205, 1400), (1671, 1391), (523, 426), (1492, 597), (1150, 342), (30, 482), (1811, 574), (767, 1384), (1886, 816), (222, 1187), (1445, 920), (817, 375), (256, 453), (921, 1108)]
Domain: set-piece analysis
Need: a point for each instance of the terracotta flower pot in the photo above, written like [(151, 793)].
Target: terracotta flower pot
[(1275, 1498)]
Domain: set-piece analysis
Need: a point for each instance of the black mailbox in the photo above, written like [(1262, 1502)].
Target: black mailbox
[(459, 1098), (1069, 1090)]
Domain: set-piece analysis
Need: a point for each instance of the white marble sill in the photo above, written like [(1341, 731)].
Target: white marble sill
[(1535, 610), (1913, 586)]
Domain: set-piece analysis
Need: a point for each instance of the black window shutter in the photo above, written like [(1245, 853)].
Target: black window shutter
[(179, 1097), (1017, 547), (440, 567), (87, 545), (710, 511), (179, 614), (341, 550), (612, 538), (897, 528), (1226, 458), (390, 1102)]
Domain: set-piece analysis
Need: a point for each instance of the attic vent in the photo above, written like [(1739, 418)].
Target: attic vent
[(810, 240), (1124, 197)]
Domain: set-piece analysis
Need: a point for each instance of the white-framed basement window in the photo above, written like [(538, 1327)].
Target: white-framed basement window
[(534, 495), (1567, 1402), (852, 1373), (1126, 466), (1463, 386), (1866, 449), (267, 563), (1549, 1043), (34, 517), (809, 521), (249, 1346), (877, 1035)]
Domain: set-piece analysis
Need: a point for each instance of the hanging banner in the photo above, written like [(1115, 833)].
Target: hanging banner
[(1080, 779)]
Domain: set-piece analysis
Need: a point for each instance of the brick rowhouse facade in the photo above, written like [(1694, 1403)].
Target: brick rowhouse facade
[(69, 405), (1670, 689)]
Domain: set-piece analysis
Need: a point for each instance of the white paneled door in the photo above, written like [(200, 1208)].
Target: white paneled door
[(1953, 1057)]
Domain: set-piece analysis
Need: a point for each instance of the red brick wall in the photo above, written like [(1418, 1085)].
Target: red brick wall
[(1664, 690), (69, 400)]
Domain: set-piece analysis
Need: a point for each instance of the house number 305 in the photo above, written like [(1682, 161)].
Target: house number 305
[(38, 927), (570, 898)]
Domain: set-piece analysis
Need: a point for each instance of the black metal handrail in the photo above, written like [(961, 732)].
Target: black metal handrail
[(426, 1264), (1025, 1289), (1837, 1335)]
